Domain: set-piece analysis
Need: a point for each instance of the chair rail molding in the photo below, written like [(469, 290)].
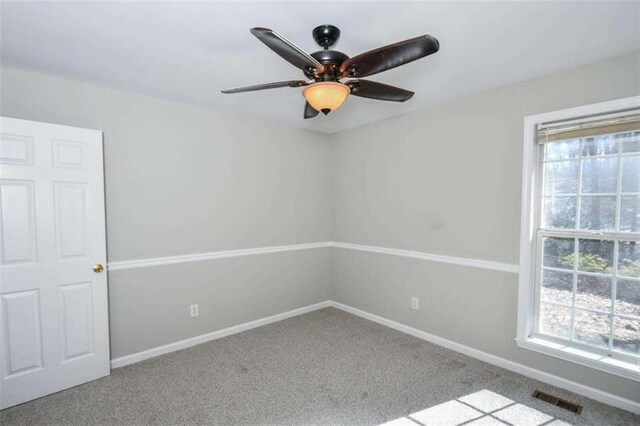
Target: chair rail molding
[(462, 261), (197, 257)]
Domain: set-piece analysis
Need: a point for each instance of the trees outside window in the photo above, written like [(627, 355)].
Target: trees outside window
[(588, 280)]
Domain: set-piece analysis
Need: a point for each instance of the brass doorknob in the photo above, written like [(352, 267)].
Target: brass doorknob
[(97, 268)]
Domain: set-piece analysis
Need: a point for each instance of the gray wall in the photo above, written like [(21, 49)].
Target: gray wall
[(443, 180), (447, 180), (182, 180)]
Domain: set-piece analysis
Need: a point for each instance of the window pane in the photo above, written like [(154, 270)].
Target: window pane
[(599, 175), (630, 214), (628, 297), (626, 335), (557, 287), (598, 213), (558, 252), (593, 293), (630, 142), (560, 212), (591, 328), (630, 174), (561, 150), (561, 178), (555, 320), (595, 256), (591, 186), (629, 259), (599, 145)]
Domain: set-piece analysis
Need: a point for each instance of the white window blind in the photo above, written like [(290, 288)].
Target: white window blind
[(610, 124)]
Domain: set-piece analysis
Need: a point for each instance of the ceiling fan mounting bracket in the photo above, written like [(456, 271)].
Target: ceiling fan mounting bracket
[(326, 35)]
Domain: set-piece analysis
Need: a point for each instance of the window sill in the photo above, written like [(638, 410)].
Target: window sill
[(593, 360)]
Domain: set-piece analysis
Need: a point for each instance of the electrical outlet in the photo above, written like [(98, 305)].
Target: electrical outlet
[(415, 303), (194, 311)]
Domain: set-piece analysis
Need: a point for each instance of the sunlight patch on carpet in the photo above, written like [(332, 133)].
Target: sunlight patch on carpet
[(482, 408)]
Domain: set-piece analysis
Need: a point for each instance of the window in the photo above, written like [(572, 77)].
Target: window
[(580, 254)]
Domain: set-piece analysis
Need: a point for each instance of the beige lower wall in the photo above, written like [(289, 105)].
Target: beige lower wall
[(471, 306), (149, 307)]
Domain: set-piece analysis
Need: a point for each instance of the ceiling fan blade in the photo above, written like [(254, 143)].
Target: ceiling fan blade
[(309, 112), (287, 50), (388, 57), (374, 90), (292, 83)]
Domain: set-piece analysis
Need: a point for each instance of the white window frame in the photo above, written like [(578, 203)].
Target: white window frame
[(531, 199)]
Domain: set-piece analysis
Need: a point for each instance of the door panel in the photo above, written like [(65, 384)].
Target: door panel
[(22, 332), (18, 227), (76, 320), (54, 318), (71, 219), (69, 154), (16, 149)]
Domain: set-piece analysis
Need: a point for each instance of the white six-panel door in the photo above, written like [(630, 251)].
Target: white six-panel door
[(54, 317)]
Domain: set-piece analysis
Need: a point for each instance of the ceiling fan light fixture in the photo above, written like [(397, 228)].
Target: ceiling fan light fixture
[(326, 95)]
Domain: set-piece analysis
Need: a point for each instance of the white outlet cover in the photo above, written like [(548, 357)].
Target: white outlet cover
[(415, 303), (194, 310)]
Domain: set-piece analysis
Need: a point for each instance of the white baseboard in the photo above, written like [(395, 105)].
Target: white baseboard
[(589, 392), (203, 338)]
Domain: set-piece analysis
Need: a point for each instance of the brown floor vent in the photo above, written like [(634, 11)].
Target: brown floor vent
[(559, 402)]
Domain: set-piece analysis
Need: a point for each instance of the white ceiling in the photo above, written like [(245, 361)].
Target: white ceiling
[(188, 51)]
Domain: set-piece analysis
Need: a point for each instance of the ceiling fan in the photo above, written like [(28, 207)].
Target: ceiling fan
[(325, 91)]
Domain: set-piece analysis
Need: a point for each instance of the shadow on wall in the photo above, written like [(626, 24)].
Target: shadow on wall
[(480, 408)]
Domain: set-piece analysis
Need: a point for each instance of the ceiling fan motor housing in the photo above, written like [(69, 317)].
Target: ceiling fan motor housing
[(331, 59)]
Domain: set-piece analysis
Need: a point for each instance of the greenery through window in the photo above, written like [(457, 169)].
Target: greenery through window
[(589, 243)]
